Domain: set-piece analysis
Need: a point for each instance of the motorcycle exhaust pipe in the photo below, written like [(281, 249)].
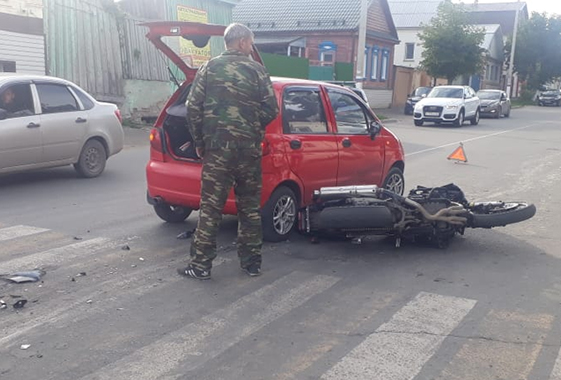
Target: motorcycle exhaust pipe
[(326, 193)]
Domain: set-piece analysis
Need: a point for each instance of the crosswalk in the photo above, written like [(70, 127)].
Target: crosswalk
[(127, 318)]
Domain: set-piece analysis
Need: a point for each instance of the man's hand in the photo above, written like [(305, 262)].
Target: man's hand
[(200, 152)]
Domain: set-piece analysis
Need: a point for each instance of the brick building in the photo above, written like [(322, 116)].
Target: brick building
[(326, 32)]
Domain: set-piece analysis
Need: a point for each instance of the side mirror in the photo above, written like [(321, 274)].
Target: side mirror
[(424, 96), (3, 114), (375, 128)]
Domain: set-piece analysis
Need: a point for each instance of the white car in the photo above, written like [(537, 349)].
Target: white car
[(47, 122), (448, 104)]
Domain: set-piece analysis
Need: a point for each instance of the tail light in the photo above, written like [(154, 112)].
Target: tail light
[(265, 147), (156, 153), (119, 117)]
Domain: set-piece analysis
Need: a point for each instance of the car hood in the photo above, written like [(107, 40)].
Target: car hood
[(487, 102), (439, 102), (196, 32)]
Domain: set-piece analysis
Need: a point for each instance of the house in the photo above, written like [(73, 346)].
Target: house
[(22, 37), (505, 14), (326, 33), (410, 16)]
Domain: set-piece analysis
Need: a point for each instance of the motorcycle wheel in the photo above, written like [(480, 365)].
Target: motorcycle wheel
[(503, 214)]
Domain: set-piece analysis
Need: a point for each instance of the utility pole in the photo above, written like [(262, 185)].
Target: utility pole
[(512, 51), (360, 74)]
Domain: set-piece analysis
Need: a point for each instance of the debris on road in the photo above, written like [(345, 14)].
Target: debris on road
[(81, 274), (25, 346), (23, 277), (126, 247), (78, 238), (89, 301), (3, 305), (185, 235), (141, 258), (20, 304)]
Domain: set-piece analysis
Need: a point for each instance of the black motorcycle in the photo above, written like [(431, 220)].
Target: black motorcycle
[(428, 214)]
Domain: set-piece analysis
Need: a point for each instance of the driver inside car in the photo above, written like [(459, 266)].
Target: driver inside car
[(9, 102)]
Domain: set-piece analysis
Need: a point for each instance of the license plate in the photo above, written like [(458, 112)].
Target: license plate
[(432, 113)]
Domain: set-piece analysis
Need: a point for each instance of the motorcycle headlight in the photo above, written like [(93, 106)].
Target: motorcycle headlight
[(452, 107)]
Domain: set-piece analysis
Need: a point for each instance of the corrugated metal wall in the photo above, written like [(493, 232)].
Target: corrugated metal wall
[(82, 46), (26, 50), (97, 45)]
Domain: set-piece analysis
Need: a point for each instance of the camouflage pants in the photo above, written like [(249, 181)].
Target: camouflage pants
[(222, 169)]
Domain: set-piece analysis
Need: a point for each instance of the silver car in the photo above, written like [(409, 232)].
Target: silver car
[(47, 122)]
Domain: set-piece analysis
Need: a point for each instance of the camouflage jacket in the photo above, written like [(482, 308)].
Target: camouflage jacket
[(230, 103)]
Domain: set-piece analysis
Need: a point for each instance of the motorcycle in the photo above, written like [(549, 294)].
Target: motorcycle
[(428, 214)]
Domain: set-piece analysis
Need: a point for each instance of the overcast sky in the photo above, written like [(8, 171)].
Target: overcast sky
[(549, 6)]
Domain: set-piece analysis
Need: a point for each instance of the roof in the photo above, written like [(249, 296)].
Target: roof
[(497, 13), (490, 31), (496, 7), (412, 14), (5, 77), (261, 40), (302, 15)]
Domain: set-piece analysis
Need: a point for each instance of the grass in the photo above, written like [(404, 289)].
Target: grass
[(519, 103)]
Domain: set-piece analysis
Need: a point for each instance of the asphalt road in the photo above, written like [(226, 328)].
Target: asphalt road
[(487, 307)]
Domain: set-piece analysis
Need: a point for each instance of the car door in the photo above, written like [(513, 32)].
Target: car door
[(505, 103), (475, 101), (361, 158), (310, 145), (20, 134), (63, 122)]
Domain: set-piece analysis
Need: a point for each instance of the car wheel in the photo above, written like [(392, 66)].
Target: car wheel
[(172, 214), (395, 181), (279, 215), (499, 113), (418, 123), (92, 159), (475, 119), (508, 112), (460, 120)]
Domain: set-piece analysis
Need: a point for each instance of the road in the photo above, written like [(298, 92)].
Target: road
[(487, 307)]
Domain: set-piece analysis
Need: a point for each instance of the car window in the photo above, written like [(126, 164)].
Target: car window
[(350, 116), (17, 101), (56, 98), (489, 95), (303, 112), (446, 92), (86, 101)]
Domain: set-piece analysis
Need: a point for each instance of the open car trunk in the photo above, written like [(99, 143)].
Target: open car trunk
[(174, 118)]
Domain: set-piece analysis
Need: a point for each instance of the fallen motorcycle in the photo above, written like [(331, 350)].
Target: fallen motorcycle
[(428, 214)]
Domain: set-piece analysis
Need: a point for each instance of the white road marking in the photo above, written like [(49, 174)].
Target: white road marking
[(15, 232), (474, 139), (399, 348), (200, 341), (57, 255), (556, 373)]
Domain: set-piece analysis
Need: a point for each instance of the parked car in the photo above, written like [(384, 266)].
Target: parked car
[(494, 103), (414, 97), (48, 122), (549, 98), (325, 135), (448, 104)]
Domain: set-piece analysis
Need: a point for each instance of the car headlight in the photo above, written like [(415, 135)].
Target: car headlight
[(451, 107)]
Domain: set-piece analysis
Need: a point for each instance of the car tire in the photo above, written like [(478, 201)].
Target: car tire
[(279, 215), (508, 112), (475, 120), (395, 181), (460, 120), (172, 214), (92, 159), (499, 113), (418, 123)]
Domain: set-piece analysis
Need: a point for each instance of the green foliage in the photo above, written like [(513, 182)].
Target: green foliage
[(452, 45), (537, 58)]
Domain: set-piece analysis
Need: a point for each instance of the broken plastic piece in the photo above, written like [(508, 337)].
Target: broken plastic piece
[(89, 301), (25, 346), (126, 247), (22, 277), (3, 304), (141, 258), (81, 274), (20, 304)]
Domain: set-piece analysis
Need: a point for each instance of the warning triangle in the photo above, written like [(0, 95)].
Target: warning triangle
[(459, 154)]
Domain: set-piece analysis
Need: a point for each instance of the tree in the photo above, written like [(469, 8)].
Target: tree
[(537, 58), (452, 46)]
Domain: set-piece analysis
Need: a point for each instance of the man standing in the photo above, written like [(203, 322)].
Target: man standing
[(230, 104)]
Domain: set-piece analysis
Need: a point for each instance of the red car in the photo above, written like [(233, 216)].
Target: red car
[(325, 135)]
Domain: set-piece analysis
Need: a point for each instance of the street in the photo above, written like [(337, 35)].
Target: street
[(111, 305)]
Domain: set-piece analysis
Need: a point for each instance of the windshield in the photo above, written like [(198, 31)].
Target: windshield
[(421, 91), (489, 95), (457, 93)]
